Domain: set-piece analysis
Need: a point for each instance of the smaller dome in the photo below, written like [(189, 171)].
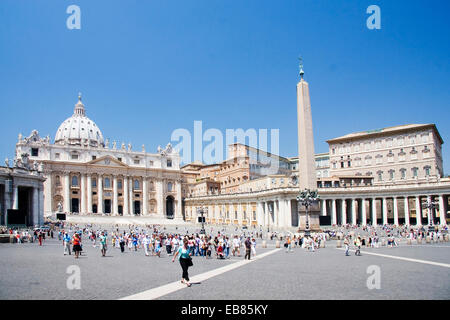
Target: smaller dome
[(79, 129)]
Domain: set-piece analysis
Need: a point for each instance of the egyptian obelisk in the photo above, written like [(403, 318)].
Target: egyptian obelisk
[(306, 162)]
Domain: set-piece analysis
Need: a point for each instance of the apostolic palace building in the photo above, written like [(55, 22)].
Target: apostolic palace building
[(373, 177)]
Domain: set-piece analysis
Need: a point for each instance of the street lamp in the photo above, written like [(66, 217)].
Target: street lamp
[(430, 205), (306, 198), (201, 211)]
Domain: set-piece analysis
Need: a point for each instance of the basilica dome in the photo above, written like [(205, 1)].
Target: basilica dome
[(79, 129)]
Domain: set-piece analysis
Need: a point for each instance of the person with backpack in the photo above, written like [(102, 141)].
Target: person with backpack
[(103, 240)]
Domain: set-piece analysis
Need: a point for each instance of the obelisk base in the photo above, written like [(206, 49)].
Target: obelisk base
[(313, 216)]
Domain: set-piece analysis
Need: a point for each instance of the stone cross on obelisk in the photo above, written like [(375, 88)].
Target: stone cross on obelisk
[(306, 162)]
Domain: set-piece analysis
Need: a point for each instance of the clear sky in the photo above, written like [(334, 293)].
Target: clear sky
[(146, 68)]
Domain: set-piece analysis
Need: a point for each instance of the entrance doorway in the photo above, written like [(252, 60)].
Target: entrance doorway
[(137, 207), (120, 209), (107, 205), (169, 207), (75, 205)]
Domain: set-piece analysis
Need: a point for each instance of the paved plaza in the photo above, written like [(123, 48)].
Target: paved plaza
[(28, 271)]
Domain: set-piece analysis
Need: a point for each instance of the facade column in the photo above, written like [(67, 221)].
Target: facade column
[(363, 212), (384, 211), (429, 212), (418, 212), (115, 197), (333, 212), (48, 187), (160, 197), (343, 212), (41, 207), (100, 194), (130, 196), (89, 193), (395, 211), (144, 196), (374, 211), (442, 213), (177, 213), (83, 193), (66, 193), (259, 213), (276, 212), (353, 211), (126, 212), (406, 204)]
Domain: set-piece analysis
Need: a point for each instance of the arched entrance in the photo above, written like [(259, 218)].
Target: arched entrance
[(170, 207)]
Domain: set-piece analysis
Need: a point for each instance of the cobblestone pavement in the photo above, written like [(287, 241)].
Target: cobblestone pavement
[(32, 272)]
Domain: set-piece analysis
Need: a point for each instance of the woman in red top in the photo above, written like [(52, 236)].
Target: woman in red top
[(76, 245)]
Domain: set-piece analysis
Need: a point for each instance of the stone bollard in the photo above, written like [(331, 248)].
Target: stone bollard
[(277, 244), (338, 244), (419, 240), (327, 237), (367, 242), (11, 238), (446, 238), (383, 242), (428, 239), (408, 241), (264, 244), (441, 238), (322, 244)]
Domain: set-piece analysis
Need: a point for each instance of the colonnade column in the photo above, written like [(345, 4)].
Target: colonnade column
[(418, 213), (395, 211), (442, 213), (89, 193), (100, 194), (333, 212), (406, 211), (288, 213), (276, 212), (266, 214), (35, 210), (115, 197), (353, 211), (363, 212), (374, 211), (343, 212), (384, 211), (83, 193), (160, 197), (323, 203), (66, 193), (126, 212), (144, 196)]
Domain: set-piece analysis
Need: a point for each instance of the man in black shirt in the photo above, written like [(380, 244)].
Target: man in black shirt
[(248, 246)]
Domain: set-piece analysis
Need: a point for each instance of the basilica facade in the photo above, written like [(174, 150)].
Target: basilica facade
[(86, 175)]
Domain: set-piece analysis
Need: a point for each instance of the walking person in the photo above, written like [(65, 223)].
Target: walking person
[(103, 247), (346, 244), (76, 245), (253, 247), (358, 246), (145, 243), (122, 243), (185, 261), (248, 248), (66, 243)]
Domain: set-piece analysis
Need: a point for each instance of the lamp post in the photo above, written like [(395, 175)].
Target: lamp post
[(306, 198), (430, 205), (201, 211)]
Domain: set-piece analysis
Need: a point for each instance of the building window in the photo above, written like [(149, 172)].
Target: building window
[(136, 184), (34, 152), (94, 157), (235, 215), (425, 138), (94, 182), (151, 163), (391, 174), (169, 163), (74, 157), (169, 186), (107, 183), (415, 172), (333, 151), (56, 155), (120, 159), (137, 161), (74, 181), (58, 181), (380, 175), (427, 171), (119, 184), (403, 173), (389, 143), (379, 159)]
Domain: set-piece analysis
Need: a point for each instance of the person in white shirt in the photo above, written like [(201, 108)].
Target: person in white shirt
[(145, 243)]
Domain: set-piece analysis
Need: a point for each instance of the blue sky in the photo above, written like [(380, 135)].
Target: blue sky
[(146, 68)]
